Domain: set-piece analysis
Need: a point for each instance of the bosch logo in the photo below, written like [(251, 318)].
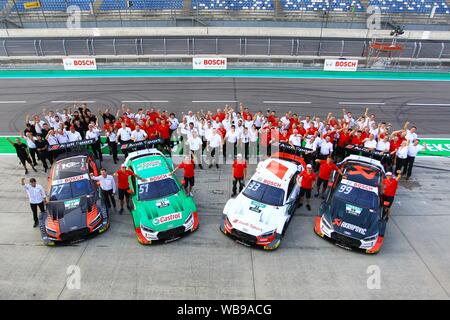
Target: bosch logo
[(346, 64), (214, 62)]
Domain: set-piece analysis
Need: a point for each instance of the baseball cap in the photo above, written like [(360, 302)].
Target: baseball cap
[(309, 166), (123, 165), (389, 173), (239, 155)]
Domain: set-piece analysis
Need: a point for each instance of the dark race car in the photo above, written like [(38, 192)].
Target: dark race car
[(75, 209), (352, 215)]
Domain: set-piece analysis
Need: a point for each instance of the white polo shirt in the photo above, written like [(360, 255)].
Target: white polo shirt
[(296, 140), (414, 150), (326, 148), (371, 144), (216, 141), (35, 195), (75, 136), (139, 135), (124, 133)]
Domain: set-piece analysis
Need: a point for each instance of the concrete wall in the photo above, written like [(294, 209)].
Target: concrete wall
[(218, 31)]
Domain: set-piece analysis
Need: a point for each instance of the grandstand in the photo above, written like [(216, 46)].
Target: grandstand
[(386, 6)]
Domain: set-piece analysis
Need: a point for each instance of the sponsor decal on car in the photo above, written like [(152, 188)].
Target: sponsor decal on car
[(167, 218), (70, 179), (354, 210), (354, 228), (71, 204), (153, 179), (360, 185), (148, 164), (246, 224), (269, 182), (163, 203), (256, 207)]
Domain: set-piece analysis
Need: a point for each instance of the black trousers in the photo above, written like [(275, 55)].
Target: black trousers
[(97, 149), (34, 207), (400, 164), (43, 156), (409, 163), (33, 155), (235, 182), (113, 149), (108, 197)]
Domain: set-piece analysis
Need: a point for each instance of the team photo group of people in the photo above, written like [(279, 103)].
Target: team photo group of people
[(231, 135)]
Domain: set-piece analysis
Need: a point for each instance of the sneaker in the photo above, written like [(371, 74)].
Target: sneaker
[(407, 178), (316, 195), (191, 194), (210, 166), (308, 207), (217, 166), (200, 166), (233, 195), (26, 171), (45, 170), (121, 211), (35, 225), (34, 169)]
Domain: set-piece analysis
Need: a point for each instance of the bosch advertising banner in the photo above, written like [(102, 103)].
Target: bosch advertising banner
[(340, 65), (209, 63), (80, 64)]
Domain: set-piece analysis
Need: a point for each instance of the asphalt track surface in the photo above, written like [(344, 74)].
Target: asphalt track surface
[(414, 262), (425, 104)]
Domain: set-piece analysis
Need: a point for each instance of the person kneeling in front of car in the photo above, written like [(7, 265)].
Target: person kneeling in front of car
[(390, 185), (306, 181)]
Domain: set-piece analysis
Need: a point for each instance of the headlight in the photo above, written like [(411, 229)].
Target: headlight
[(144, 228), (50, 230), (95, 220), (372, 238), (189, 217), (268, 234), (326, 223)]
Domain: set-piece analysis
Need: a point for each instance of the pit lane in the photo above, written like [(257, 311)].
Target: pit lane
[(414, 261)]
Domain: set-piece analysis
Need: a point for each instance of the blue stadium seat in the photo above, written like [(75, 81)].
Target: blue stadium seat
[(411, 6), (323, 5), (142, 5), (55, 5), (232, 4)]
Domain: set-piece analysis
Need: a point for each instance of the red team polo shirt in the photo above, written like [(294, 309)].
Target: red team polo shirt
[(122, 178), (188, 169), (390, 187), (239, 169), (307, 179), (326, 169)]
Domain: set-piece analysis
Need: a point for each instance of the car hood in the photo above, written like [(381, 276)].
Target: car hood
[(352, 220), (71, 213), (251, 216), (165, 213)]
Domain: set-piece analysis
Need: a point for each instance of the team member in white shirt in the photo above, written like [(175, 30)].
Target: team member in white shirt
[(73, 135), (195, 144), (413, 150), (231, 138), (108, 187), (402, 155), (383, 145), (213, 148), (138, 134), (370, 142), (295, 139), (124, 137), (31, 146), (36, 197), (244, 143), (94, 133)]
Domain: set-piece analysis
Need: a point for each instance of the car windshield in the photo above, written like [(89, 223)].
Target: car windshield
[(357, 196), (264, 193), (70, 190), (157, 189)]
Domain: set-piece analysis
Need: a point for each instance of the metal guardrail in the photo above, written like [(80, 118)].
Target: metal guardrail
[(212, 46)]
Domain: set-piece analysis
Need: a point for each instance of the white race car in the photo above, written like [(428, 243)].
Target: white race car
[(261, 213)]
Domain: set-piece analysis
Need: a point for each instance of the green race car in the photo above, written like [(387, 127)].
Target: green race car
[(161, 209)]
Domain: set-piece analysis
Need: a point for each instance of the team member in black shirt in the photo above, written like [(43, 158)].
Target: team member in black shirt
[(22, 153)]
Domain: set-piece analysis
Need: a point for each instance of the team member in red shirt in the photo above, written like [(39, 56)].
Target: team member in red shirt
[(326, 168), (306, 181), (188, 166), (239, 171), (122, 184), (164, 131), (390, 185)]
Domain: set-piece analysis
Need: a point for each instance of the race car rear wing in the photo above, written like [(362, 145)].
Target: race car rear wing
[(296, 151), (77, 145), (141, 145), (352, 149)]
